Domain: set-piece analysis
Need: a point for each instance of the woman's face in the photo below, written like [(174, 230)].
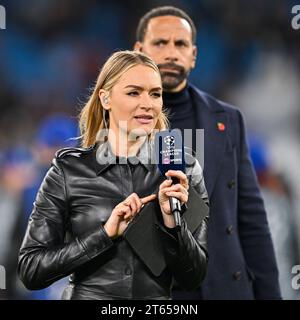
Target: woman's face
[(135, 101)]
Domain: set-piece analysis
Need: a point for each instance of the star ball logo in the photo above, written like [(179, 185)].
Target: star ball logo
[(296, 18), (2, 18), (169, 140)]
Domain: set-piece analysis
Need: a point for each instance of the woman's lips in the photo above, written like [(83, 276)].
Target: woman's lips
[(142, 120)]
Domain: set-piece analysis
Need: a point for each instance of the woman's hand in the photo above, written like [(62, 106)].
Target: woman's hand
[(179, 191), (123, 213)]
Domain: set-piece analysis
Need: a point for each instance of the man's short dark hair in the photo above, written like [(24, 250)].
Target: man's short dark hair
[(159, 12)]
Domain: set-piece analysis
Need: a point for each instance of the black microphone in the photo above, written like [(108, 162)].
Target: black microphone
[(169, 152)]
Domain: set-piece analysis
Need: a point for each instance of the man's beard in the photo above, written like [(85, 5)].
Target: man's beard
[(171, 80)]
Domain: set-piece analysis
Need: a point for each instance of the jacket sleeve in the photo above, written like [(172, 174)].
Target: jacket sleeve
[(186, 254), (254, 229), (186, 249), (44, 256)]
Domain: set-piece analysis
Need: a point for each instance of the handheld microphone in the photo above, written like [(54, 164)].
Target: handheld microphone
[(169, 151)]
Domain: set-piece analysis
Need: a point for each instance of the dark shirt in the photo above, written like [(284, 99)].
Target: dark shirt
[(181, 112)]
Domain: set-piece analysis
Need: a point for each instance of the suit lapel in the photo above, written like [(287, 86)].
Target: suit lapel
[(212, 118)]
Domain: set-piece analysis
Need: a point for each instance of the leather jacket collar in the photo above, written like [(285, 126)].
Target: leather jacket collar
[(104, 156)]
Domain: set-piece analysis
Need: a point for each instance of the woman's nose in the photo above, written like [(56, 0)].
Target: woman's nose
[(146, 107), (146, 103)]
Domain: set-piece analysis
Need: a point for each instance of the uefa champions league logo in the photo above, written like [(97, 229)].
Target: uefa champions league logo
[(169, 140)]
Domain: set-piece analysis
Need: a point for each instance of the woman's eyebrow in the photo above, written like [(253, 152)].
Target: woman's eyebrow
[(141, 88), (134, 86)]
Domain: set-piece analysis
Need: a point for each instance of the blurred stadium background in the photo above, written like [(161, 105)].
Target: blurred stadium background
[(50, 54)]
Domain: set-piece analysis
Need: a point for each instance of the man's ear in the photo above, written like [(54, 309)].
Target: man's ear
[(195, 51), (138, 46)]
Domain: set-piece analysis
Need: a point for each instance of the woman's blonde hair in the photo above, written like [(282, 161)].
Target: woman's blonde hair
[(91, 117)]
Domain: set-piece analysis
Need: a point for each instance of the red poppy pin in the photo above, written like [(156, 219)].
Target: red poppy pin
[(221, 126)]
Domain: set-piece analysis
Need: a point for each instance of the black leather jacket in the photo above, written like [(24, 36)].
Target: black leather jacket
[(65, 234)]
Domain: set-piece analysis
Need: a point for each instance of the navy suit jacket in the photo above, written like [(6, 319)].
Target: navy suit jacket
[(242, 262)]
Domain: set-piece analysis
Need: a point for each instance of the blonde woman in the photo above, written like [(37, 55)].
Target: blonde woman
[(105, 220)]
